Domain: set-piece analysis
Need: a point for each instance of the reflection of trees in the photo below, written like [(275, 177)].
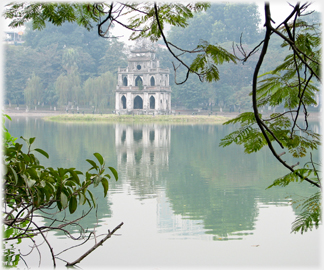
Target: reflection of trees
[(142, 154), (222, 211), (220, 186), (70, 144)]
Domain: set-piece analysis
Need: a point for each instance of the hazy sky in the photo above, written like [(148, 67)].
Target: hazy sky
[(279, 10)]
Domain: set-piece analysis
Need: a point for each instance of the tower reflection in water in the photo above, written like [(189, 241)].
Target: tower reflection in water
[(142, 156)]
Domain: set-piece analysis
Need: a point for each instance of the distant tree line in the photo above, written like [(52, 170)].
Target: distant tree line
[(63, 66)]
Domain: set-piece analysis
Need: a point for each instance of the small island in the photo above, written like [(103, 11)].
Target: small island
[(163, 119)]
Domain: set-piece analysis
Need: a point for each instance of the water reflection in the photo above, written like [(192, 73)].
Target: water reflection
[(142, 154), (200, 190)]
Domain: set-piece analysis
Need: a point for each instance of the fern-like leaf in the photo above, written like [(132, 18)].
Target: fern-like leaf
[(310, 216)]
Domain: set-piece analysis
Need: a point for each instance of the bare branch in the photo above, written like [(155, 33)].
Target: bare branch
[(86, 240), (279, 115), (315, 170), (95, 246), (48, 244)]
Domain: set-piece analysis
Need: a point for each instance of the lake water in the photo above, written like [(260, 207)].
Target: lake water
[(185, 202)]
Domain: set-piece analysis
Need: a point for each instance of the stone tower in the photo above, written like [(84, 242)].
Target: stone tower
[(143, 87)]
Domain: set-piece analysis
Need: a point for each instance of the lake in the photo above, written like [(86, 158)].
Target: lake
[(185, 201)]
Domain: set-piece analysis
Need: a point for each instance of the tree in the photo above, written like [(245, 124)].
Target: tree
[(62, 89), (89, 47), (293, 85), (219, 24), (33, 91), (21, 62), (31, 190), (99, 91), (16, 76), (114, 57)]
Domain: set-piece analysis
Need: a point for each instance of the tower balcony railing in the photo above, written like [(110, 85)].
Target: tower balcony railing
[(159, 70), (143, 88)]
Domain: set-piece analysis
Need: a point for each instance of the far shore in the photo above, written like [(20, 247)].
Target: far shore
[(163, 119), (187, 117), (179, 117)]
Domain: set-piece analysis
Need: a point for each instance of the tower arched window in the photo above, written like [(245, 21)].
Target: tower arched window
[(125, 81), (123, 100), (152, 103), (152, 81), (138, 81), (138, 103)]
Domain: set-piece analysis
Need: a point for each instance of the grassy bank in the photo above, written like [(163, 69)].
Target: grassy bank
[(163, 119)]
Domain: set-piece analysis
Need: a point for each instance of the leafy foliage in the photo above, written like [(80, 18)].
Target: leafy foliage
[(206, 63), (175, 14), (55, 13), (292, 85), (30, 187), (297, 176), (311, 215), (280, 86), (284, 89), (29, 184)]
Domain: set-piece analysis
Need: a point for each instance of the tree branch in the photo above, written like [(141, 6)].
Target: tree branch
[(260, 123), (95, 246)]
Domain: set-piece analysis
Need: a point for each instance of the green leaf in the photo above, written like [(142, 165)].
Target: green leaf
[(97, 180), (14, 174), (32, 172), (99, 157), (292, 177), (61, 172), (105, 185), (41, 152), (114, 172), (8, 232), (92, 198), (74, 175), (94, 165), (64, 200), (21, 137), (26, 157), (31, 140), (73, 204), (29, 182), (7, 116), (107, 175), (310, 216), (82, 199)]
